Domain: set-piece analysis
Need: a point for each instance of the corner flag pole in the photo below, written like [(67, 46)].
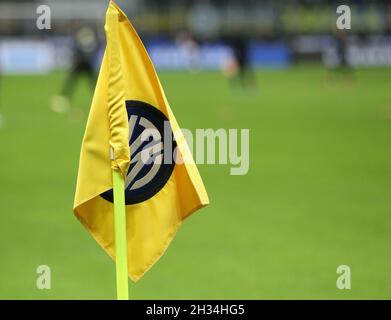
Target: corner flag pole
[(120, 236)]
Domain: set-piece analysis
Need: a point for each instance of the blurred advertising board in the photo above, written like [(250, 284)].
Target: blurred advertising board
[(26, 56), (41, 56)]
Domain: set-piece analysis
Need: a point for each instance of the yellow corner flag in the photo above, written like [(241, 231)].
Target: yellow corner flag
[(131, 129)]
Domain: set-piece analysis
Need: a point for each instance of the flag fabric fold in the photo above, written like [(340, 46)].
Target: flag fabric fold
[(118, 120), (128, 100)]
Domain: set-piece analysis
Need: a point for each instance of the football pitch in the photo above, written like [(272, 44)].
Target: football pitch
[(317, 195)]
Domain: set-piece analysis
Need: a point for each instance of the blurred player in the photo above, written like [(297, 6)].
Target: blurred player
[(239, 68), (84, 50), (342, 64), (190, 48)]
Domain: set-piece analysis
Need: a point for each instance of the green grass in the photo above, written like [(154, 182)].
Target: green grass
[(317, 194)]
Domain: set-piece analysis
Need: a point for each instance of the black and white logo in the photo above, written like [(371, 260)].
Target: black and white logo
[(151, 153)]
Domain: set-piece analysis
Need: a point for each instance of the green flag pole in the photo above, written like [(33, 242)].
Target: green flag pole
[(121, 255)]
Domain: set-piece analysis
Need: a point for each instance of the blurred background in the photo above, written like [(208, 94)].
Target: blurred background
[(317, 102), (276, 33)]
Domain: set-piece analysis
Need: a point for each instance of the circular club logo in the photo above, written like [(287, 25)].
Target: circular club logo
[(151, 153)]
